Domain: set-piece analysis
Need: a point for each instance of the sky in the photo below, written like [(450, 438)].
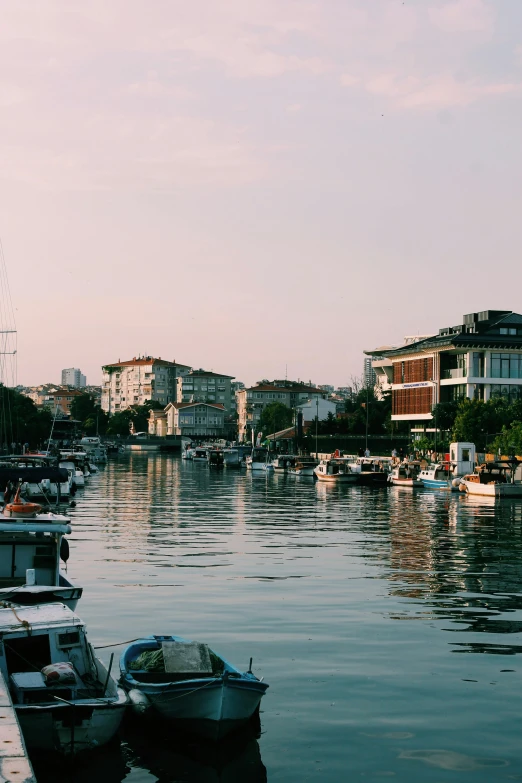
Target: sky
[(259, 188)]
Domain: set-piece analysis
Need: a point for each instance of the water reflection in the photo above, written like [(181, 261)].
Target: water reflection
[(320, 585)]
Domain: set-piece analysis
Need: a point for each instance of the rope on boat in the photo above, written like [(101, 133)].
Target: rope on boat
[(116, 644)]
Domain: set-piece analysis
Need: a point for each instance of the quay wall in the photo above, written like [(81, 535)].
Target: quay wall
[(14, 761)]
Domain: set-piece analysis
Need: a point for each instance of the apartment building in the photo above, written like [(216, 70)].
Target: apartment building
[(204, 386), (73, 377), (480, 358), (252, 401), (138, 380)]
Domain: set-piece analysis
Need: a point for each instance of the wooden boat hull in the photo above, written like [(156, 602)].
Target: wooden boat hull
[(337, 478), (492, 490), (406, 482)]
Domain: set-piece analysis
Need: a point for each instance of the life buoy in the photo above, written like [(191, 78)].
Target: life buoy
[(21, 509)]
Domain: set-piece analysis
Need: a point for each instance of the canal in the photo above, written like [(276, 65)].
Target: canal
[(387, 622)]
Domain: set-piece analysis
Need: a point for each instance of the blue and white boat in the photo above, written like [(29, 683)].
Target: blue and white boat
[(439, 476), (186, 682), (447, 475)]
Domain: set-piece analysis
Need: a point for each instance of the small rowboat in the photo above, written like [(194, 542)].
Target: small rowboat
[(186, 682)]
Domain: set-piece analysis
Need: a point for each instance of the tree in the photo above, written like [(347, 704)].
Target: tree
[(93, 419), (444, 414), (21, 421), (478, 422), (509, 441), (274, 418), (137, 415)]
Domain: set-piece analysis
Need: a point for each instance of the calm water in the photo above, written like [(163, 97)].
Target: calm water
[(387, 622)]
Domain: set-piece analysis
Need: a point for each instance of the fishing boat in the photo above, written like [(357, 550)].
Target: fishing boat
[(447, 474), (94, 448), (303, 466), (215, 458), (199, 455), (493, 479), (257, 459), (283, 462), (440, 475), (32, 547), (235, 456), (335, 470), (406, 474), (372, 471), (37, 469), (179, 680), (65, 699)]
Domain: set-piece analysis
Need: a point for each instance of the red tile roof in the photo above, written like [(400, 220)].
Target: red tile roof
[(192, 404), (146, 360)]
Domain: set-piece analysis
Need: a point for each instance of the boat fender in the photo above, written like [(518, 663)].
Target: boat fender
[(455, 483), (140, 703), (463, 488), (72, 504), (64, 550)]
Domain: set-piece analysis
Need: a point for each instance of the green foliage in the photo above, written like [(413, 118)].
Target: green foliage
[(365, 407), (478, 422), (138, 415), (509, 441), (444, 415), (275, 417), (21, 421), (92, 417)]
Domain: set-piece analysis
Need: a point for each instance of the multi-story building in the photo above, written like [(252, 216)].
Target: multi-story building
[(369, 378), (479, 359), (138, 380), (326, 387), (59, 401), (195, 419), (73, 377), (204, 386), (252, 401)]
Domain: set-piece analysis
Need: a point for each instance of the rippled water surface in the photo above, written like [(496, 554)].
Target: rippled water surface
[(386, 621)]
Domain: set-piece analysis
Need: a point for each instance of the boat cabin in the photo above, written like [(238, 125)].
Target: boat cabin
[(32, 638), (216, 458)]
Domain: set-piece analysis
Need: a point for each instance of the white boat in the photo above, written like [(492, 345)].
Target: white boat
[(69, 708), (235, 456), (303, 466), (257, 460), (94, 448), (200, 455), (41, 466), (406, 474), (493, 479), (32, 545), (335, 470), (283, 462)]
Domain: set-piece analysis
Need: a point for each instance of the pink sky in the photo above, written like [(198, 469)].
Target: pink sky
[(245, 186)]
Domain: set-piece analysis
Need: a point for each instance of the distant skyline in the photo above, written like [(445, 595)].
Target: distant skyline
[(255, 187)]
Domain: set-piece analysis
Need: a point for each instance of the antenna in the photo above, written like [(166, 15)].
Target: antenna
[(286, 372)]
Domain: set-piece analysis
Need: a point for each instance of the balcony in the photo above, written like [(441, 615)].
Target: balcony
[(458, 372)]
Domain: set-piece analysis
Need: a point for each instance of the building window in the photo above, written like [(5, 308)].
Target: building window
[(478, 365), (506, 365), (508, 392), (511, 331)]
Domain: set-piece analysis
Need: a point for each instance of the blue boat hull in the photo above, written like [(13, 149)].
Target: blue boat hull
[(210, 706), (436, 484)]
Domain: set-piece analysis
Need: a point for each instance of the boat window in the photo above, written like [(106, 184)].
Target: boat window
[(27, 653)]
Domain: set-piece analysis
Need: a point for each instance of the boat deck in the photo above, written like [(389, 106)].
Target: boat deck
[(14, 761)]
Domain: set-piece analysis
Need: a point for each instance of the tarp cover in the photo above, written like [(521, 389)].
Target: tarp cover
[(32, 475)]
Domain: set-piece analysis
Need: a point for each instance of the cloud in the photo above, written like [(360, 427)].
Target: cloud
[(430, 93), (463, 16)]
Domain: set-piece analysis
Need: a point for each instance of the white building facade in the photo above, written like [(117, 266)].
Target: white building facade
[(138, 380), (72, 376)]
